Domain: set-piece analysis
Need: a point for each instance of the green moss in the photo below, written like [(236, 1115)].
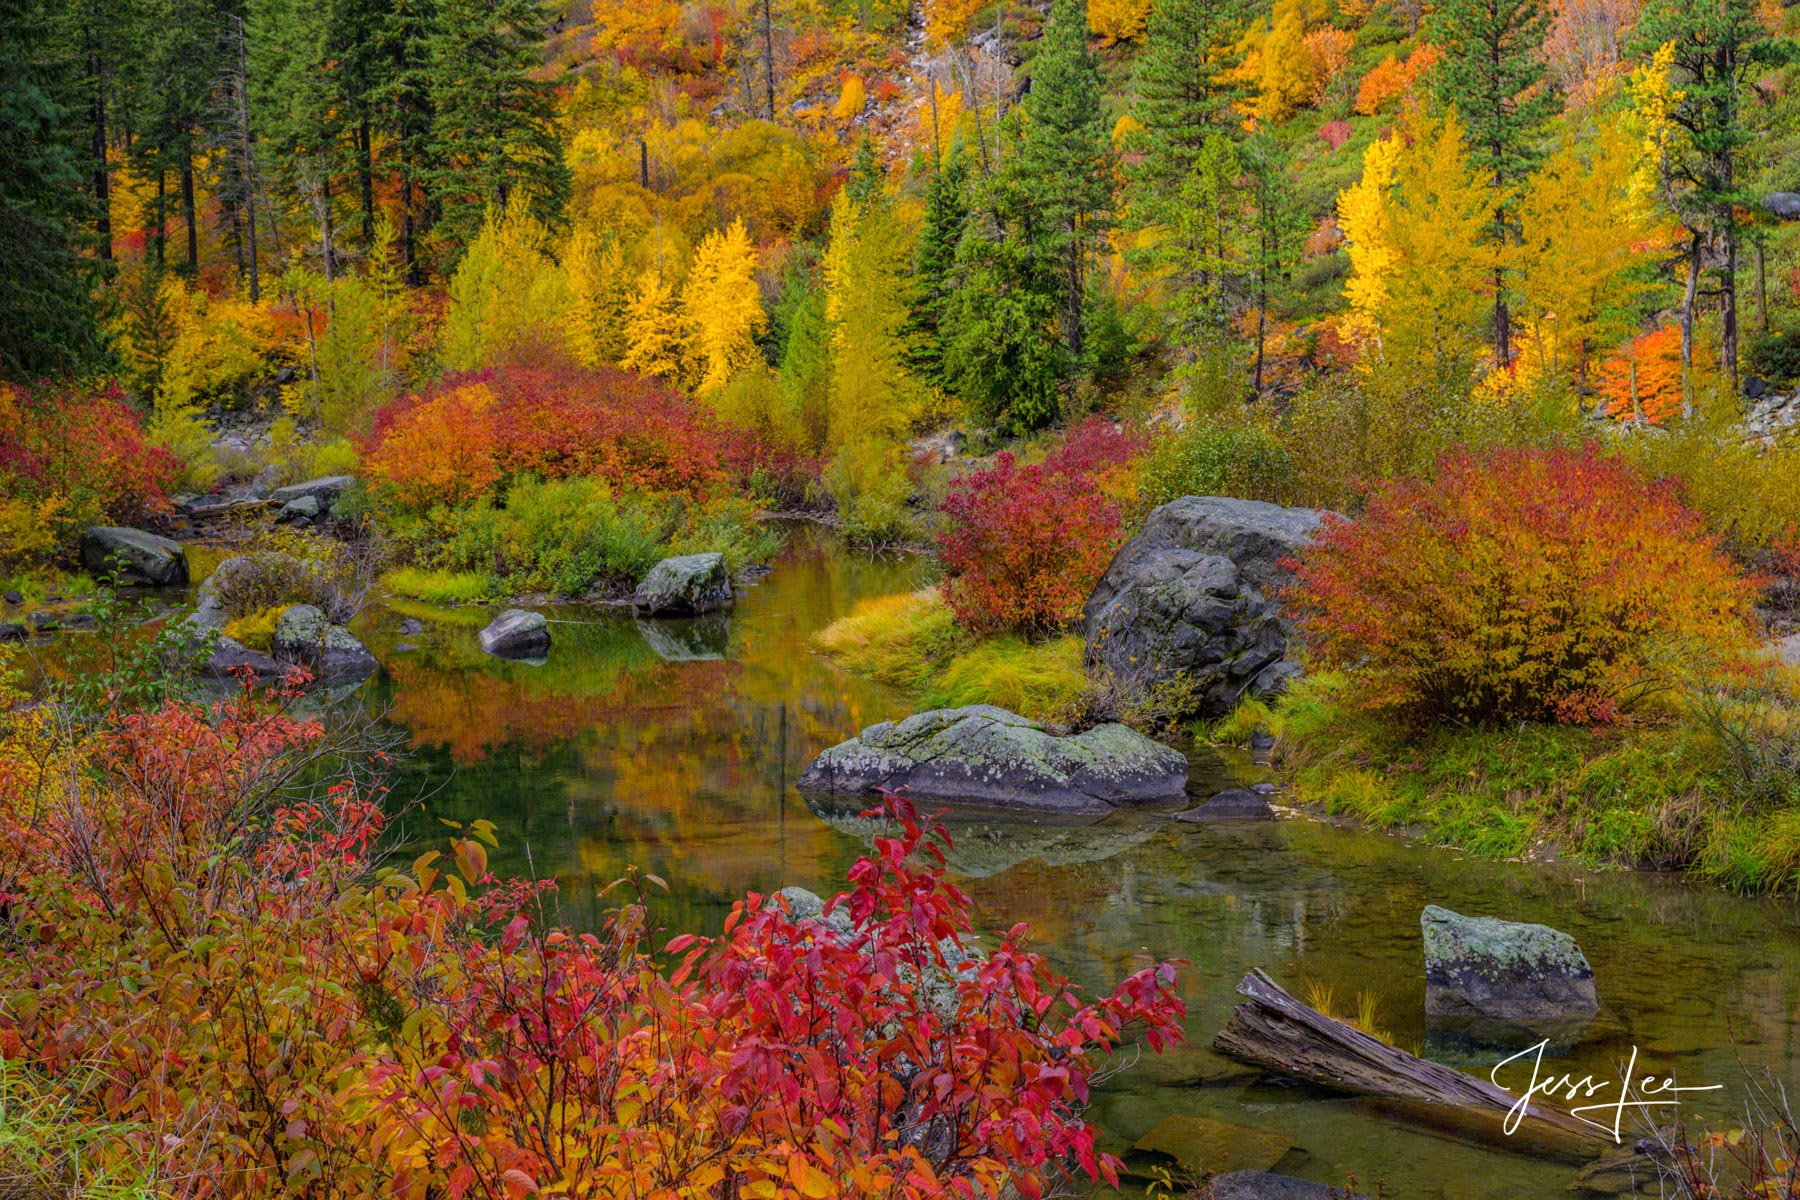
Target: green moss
[(911, 641), (255, 630), (1664, 793)]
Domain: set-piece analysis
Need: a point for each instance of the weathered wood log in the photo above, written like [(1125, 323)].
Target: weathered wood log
[(1276, 1032), (208, 512)]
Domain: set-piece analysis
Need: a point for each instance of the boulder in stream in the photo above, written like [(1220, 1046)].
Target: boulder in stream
[(1505, 971), (304, 635), (1232, 804), (1203, 1144), (517, 633), (684, 586), (986, 755), (1260, 1185), (134, 556)]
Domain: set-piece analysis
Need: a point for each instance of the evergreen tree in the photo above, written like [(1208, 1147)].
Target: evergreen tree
[(493, 122), (1716, 47), (934, 262), (1064, 165), (1183, 92), (1277, 225), (46, 313), (403, 98), (1493, 76)]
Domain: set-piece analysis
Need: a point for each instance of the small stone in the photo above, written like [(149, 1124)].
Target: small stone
[(411, 627), (325, 490), (300, 510), (12, 631), (44, 622), (517, 633), (81, 621), (13, 598), (404, 647), (1233, 804)]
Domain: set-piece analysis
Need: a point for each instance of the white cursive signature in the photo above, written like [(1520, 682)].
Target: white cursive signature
[(1643, 1093)]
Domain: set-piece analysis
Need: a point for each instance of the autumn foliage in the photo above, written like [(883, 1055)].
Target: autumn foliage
[(1394, 78), (1023, 545), (1518, 584), (192, 947), (69, 461), (458, 440), (1643, 381)]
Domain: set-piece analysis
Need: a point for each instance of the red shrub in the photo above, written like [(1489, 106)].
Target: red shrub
[(1335, 133), (1024, 545), (477, 428), (1521, 584), (89, 451)]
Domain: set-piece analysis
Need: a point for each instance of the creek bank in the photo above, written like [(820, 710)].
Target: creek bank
[(982, 754)]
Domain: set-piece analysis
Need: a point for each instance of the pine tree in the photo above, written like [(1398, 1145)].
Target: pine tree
[(493, 127), (1493, 76), (46, 313), (1714, 49), (1276, 224), (934, 262), (1064, 163), (1183, 92)]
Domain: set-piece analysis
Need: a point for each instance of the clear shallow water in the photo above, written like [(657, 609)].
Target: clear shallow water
[(611, 754)]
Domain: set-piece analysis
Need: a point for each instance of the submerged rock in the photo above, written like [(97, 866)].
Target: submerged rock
[(987, 755), (1233, 804), (1186, 603), (1206, 1144), (1260, 1185), (305, 636), (684, 586), (517, 633), (134, 556), (1486, 968)]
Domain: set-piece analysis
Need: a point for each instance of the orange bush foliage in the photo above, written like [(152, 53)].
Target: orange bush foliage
[(1650, 365), (1519, 585), (1391, 79)]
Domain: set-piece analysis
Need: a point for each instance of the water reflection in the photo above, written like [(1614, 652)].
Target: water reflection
[(634, 744)]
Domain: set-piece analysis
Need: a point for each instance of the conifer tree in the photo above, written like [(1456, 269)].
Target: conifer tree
[(1183, 91), (1276, 224), (1493, 76), (46, 315), (493, 120), (934, 263), (1064, 164), (1713, 48)]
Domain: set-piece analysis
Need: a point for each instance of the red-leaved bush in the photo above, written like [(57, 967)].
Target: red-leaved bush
[(1024, 545), (234, 990), (476, 429), (1540, 584)]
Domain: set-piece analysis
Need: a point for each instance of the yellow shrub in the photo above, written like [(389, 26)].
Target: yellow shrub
[(27, 529), (255, 630)]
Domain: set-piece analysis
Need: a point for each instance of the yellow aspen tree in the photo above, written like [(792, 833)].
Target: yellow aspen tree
[(1118, 20), (1286, 82), (656, 338), (508, 300), (600, 294), (1581, 232), (722, 308), (1362, 212)]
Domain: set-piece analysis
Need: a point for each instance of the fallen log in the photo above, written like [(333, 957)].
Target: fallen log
[(208, 512), (1276, 1032)]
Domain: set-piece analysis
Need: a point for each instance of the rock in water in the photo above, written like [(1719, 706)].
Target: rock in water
[(303, 635), (136, 556), (1483, 967), (1186, 602), (987, 755), (1233, 804), (517, 633), (1204, 1144), (684, 586), (12, 631), (1260, 1185)]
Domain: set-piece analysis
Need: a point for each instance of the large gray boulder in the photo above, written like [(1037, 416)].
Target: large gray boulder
[(305, 636), (1187, 602), (134, 556), (324, 490), (230, 659), (684, 586), (517, 633), (1784, 206), (1483, 968), (986, 755)]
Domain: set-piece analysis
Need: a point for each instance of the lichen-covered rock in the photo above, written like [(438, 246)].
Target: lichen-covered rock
[(134, 556), (1187, 601), (986, 755), (686, 585), (1260, 1185), (230, 658), (1483, 967), (302, 510), (517, 633), (1232, 804), (306, 637)]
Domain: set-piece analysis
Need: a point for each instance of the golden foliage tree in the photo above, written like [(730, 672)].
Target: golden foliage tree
[(1118, 20), (656, 335), (600, 294), (722, 308), (1286, 80), (508, 299)]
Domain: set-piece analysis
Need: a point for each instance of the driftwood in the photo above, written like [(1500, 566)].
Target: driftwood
[(1278, 1033), (207, 512)]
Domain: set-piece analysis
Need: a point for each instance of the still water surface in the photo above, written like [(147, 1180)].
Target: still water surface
[(673, 747)]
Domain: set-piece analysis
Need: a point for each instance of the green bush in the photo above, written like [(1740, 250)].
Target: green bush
[(1206, 459)]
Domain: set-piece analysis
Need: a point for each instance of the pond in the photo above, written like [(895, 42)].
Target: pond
[(673, 747)]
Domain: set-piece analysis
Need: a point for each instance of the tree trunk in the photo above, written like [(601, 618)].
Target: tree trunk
[(768, 32), (102, 176), (1762, 290), (162, 210), (1072, 316), (1687, 326), (247, 164), (365, 169), (1728, 322), (188, 212)]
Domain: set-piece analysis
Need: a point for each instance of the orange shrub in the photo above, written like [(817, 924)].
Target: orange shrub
[(1519, 584), (1391, 79), (1651, 367)]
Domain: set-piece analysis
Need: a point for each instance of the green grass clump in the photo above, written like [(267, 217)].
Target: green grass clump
[(437, 586), (911, 641), (255, 630), (1674, 789), (50, 1148)]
